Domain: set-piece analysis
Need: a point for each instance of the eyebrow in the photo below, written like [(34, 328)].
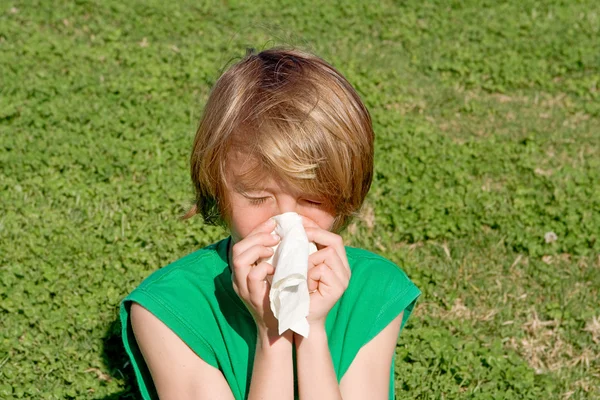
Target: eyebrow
[(242, 188)]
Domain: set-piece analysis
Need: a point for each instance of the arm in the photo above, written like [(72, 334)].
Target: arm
[(273, 373), (178, 372), (316, 376), (273, 370), (328, 278), (368, 375)]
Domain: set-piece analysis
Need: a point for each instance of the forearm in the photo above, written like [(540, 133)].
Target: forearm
[(273, 371), (316, 375)]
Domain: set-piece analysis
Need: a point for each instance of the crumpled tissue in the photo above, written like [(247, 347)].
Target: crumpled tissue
[(289, 295)]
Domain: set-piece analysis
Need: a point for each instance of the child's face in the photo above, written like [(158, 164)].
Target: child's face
[(251, 206)]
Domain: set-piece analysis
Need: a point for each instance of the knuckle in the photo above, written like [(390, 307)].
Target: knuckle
[(338, 241), (314, 272), (235, 250), (329, 251), (238, 290), (254, 275), (237, 264), (264, 236), (268, 238)]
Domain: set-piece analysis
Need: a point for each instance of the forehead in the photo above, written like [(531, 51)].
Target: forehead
[(245, 172), (238, 161)]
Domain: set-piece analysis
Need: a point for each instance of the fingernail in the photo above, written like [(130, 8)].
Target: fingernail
[(276, 236)]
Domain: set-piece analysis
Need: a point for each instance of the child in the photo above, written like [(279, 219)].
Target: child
[(282, 131)]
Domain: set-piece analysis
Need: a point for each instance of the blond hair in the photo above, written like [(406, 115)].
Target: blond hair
[(299, 118)]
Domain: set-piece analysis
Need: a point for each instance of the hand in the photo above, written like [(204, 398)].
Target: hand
[(328, 271), (249, 275)]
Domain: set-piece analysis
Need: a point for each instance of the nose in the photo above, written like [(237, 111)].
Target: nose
[(287, 203)]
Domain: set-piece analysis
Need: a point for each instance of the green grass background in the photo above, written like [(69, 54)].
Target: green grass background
[(487, 117)]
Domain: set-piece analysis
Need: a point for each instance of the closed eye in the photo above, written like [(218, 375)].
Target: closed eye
[(255, 201), (314, 203)]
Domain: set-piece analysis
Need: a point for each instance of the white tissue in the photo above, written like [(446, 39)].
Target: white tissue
[(289, 296)]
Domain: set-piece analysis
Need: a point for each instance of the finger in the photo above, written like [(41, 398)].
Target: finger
[(328, 239), (263, 234), (330, 257), (257, 278), (266, 227), (323, 279), (250, 257), (243, 264), (258, 239)]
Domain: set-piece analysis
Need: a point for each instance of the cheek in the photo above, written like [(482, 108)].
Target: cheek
[(322, 218), (244, 220), (326, 223)]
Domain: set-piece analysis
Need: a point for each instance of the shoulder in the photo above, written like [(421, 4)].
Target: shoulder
[(370, 268), (202, 265), (176, 312), (379, 295), (169, 292), (362, 256), (384, 284), (190, 278)]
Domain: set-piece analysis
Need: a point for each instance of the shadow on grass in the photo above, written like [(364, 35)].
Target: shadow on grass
[(117, 362)]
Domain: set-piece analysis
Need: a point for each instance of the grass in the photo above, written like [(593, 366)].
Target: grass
[(487, 116)]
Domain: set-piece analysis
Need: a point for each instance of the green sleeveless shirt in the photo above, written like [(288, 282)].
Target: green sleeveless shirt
[(194, 297)]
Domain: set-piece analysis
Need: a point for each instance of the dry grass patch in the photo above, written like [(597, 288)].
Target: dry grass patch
[(545, 349), (593, 327), (366, 218), (458, 310)]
